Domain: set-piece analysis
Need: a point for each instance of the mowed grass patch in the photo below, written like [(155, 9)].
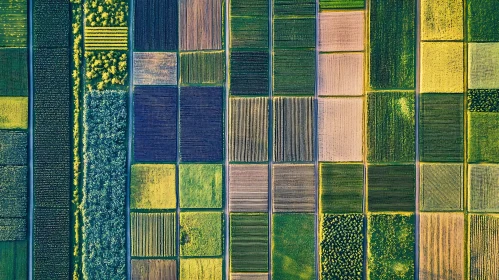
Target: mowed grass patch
[(483, 132), (441, 127), (153, 186), (13, 147), (148, 269), (14, 260), (14, 69), (13, 191), (153, 234), (13, 112), (342, 246), (441, 246), (200, 185), (391, 246), (391, 188), (484, 245), (341, 188), (205, 268), (293, 246), (201, 233), (249, 242), (391, 127)]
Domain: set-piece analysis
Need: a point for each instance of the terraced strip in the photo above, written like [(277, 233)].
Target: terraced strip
[(249, 242), (153, 234), (106, 38)]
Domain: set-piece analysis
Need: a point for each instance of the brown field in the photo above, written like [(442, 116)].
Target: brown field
[(441, 246), (154, 68), (248, 187), (249, 276), (341, 74), (484, 245), (200, 24), (154, 269), (341, 31), (293, 188)]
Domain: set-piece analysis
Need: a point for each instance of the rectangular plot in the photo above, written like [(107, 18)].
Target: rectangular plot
[(13, 112), (200, 24), (206, 68), (153, 234), (441, 127), (12, 229), (13, 147), (442, 20), (200, 185), (294, 72), (14, 260), (483, 69), (249, 276), (341, 31), (341, 4), (483, 21), (14, 69), (442, 257), (341, 74), (13, 191), (13, 19), (155, 25), (294, 8), (393, 44), (249, 32), (290, 33), (106, 38), (201, 234), (154, 68), (391, 246), (442, 67), (201, 268), (293, 188), (441, 187), (483, 132), (341, 188), (484, 187), (249, 242), (342, 246), (248, 129), (293, 246), (391, 127), (154, 269), (293, 129), (249, 73), (248, 187), (340, 129), (246, 8), (51, 24), (152, 186), (484, 245), (391, 187)]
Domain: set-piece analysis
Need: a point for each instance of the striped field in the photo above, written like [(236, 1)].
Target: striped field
[(106, 38), (153, 234)]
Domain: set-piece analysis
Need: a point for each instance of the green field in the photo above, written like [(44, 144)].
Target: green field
[(441, 187), (201, 233), (200, 185), (197, 269), (14, 260), (341, 188), (483, 132), (293, 248), (206, 68)]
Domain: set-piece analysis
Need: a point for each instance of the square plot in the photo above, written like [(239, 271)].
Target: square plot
[(200, 185), (484, 245), (13, 23), (483, 20), (391, 241), (293, 129), (13, 147), (14, 69), (441, 127), (201, 124), (248, 129), (206, 68), (154, 68), (342, 246), (442, 67), (294, 72), (201, 233), (340, 129), (249, 242), (391, 127), (293, 188), (484, 187), (391, 188), (248, 188), (12, 229), (341, 4), (155, 123), (156, 25), (392, 43), (341, 188), (483, 100), (249, 73), (483, 61), (200, 24), (341, 74), (442, 20), (442, 257), (249, 31), (294, 33), (255, 8), (294, 8), (483, 132), (152, 186), (153, 234), (441, 187), (205, 268), (341, 31), (147, 269), (293, 246), (13, 112)]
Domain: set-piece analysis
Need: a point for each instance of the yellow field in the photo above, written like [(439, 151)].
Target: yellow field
[(153, 186), (13, 112)]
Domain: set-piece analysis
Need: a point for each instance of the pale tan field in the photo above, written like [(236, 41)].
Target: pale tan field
[(200, 24), (293, 188), (249, 276), (154, 269), (248, 187), (341, 74), (341, 31), (484, 245)]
